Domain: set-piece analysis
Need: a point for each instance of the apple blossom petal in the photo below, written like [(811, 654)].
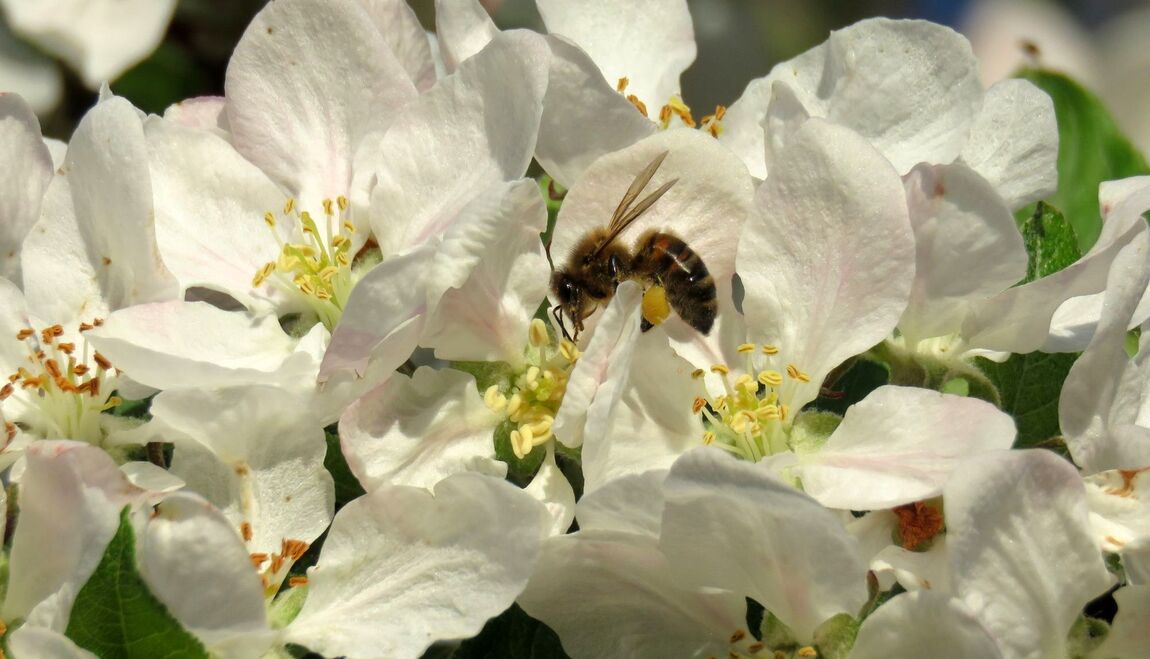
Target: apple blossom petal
[(910, 88), (384, 315), (203, 112), (99, 40), (71, 495), (600, 377), (472, 130), (1014, 143), (400, 27), (306, 83), (149, 477), (194, 344), (550, 487), (253, 453), (210, 206), (1119, 503), (463, 28), (29, 642), (1019, 318), (762, 537), (419, 430), (649, 42), (402, 567), (13, 318), (900, 445), (1129, 634), (1021, 552), (967, 246), (828, 260), (27, 72), (921, 624), (639, 609), (915, 570), (631, 504), (94, 248), (584, 117), (489, 277), (654, 422), (193, 561), (1136, 561), (1099, 406), (25, 170), (707, 206)]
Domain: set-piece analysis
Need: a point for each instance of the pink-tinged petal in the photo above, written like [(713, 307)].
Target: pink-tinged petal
[(1019, 319), (639, 611), (202, 112), (584, 117), (193, 344), (489, 277), (1129, 634), (71, 495), (463, 29), (402, 567), (1119, 502), (915, 570), (924, 624), (649, 42), (967, 248), (193, 561), (25, 170), (601, 375), (1014, 143), (1099, 409), (99, 40), (474, 129), (764, 539), (419, 430), (29, 642), (400, 27), (256, 455), (94, 248), (306, 84), (210, 207), (631, 504), (1021, 553), (899, 445), (828, 260), (147, 476), (910, 88), (384, 315), (654, 422), (550, 487)]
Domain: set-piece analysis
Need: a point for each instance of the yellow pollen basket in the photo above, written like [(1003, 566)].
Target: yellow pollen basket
[(318, 267), (531, 398), (676, 108), (656, 309)]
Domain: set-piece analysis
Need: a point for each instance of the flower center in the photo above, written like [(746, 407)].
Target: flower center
[(274, 568), (318, 267), (532, 396), (918, 524), (60, 393), (675, 107), (752, 418)]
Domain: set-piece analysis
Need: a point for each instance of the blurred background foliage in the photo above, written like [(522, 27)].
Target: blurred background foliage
[(738, 40)]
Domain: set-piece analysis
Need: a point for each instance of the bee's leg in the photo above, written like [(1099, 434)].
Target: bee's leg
[(645, 325), (615, 269), (557, 313)]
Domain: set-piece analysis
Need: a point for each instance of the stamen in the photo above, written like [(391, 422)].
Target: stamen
[(770, 378), (745, 348), (697, 373), (795, 374), (770, 349), (721, 369)]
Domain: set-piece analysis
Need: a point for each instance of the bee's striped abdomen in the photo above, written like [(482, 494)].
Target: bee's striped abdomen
[(666, 259)]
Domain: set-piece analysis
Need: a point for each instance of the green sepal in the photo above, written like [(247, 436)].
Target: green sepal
[(836, 636), (1091, 149), (776, 634), (1086, 634), (116, 616), (811, 431), (286, 606), (486, 373), (519, 471)]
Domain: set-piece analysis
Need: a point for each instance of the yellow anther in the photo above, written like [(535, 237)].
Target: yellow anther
[(569, 351), (721, 369), (328, 207), (698, 405), (676, 106), (514, 404), (349, 226), (771, 378), (527, 436), (713, 123), (493, 399), (744, 348), (342, 200), (289, 205), (783, 412), (517, 446), (770, 349), (537, 334), (342, 260), (340, 241), (531, 375), (621, 86), (708, 438), (698, 373), (807, 651), (269, 219), (263, 273), (639, 105), (720, 402), (795, 374), (768, 413)]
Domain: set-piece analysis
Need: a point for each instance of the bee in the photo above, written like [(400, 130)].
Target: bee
[(673, 274)]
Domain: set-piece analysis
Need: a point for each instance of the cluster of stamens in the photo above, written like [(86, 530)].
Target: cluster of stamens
[(273, 568), (675, 107), (70, 392), (319, 266), (532, 398), (751, 418)]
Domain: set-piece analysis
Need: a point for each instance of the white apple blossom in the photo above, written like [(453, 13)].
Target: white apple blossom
[(30, 74), (25, 169)]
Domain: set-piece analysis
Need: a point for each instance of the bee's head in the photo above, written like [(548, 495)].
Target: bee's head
[(565, 289)]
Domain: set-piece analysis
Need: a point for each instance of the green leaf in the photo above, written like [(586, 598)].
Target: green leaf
[(1029, 387), (1091, 149), (347, 486), (512, 635), (1051, 244), (115, 615)]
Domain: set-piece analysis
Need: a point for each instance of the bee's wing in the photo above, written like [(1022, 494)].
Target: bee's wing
[(640, 182)]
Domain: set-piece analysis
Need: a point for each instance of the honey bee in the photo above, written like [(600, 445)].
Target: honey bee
[(672, 273)]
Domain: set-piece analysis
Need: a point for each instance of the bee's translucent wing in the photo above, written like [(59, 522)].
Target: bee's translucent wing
[(632, 193)]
